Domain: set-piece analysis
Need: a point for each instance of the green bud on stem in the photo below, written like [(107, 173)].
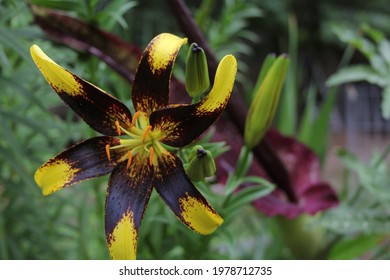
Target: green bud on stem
[(265, 101), (201, 164), (197, 73)]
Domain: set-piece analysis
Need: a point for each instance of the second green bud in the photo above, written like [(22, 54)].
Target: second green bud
[(200, 164), (197, 73)]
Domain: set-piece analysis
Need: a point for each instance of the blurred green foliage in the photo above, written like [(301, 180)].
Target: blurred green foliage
[(34, 126)]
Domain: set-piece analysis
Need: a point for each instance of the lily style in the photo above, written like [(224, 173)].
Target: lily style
[(135, 148)]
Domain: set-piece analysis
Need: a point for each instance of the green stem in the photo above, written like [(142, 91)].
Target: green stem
[(243, 162), (382, 157)]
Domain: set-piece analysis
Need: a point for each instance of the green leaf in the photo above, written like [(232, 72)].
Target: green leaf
[(306, 123), (321, 124), (384, 50), (66, 5), (348, 249), (372, 177), (249, 194), (8, 39), (379, 65), (244, 162), (375, 34), (288, 99), (385, 105), (356, 220), (365, 46), (356, 73)]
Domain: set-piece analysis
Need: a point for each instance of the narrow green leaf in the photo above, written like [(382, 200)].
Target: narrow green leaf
[(244, 162), (8, 39), (385, 105), (249, 194), (372, 177), (349, 249), (321, 124), (288, 99), (356, 73), (66, 5), (375, 34), (306, 123), (364, 45), (350, 220), (378, 64), (384, 50)]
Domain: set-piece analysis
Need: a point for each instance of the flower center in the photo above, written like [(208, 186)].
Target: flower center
[(142, 140)]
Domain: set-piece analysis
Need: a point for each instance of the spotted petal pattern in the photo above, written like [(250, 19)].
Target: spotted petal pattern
[(186, 202), (184, 123), (98, 108), (127, 196), (152, 79), (80, 162)]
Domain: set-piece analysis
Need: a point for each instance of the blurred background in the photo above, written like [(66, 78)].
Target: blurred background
[(336, 100)]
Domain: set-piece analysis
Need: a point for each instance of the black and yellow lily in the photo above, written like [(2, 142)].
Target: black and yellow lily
[(134, 148)]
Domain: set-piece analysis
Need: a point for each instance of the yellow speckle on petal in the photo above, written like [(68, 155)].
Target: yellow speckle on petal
[(122, 242), (161, 53), (54, 175), (199, 216)]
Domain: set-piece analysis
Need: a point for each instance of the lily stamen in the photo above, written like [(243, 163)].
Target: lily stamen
[(108, 152), (146, 132), (151, 154), (129, 160), (135, 117), (118, 128)]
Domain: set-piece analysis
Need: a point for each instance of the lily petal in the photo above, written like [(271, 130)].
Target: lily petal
[(127, 196), (85, 160), (183, 198), (98, 108), (303, 167), (184, 123), (151, 82)]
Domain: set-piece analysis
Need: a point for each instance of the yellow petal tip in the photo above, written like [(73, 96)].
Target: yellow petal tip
[(199, 216), (54, 175), (122, 243)]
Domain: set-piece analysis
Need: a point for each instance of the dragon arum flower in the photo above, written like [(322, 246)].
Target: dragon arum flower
[(134, 148)]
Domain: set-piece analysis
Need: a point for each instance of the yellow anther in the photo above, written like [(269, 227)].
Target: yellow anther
[(135, 117), (130, 158), (146, 132), (151, 154), (108, 152), (118, 128)]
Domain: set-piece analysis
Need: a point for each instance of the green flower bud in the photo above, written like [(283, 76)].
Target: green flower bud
[(265, 101), (197, 73), (201, 164), (267, 63)]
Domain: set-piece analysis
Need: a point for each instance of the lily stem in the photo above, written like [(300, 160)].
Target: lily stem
[(243, 162)]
